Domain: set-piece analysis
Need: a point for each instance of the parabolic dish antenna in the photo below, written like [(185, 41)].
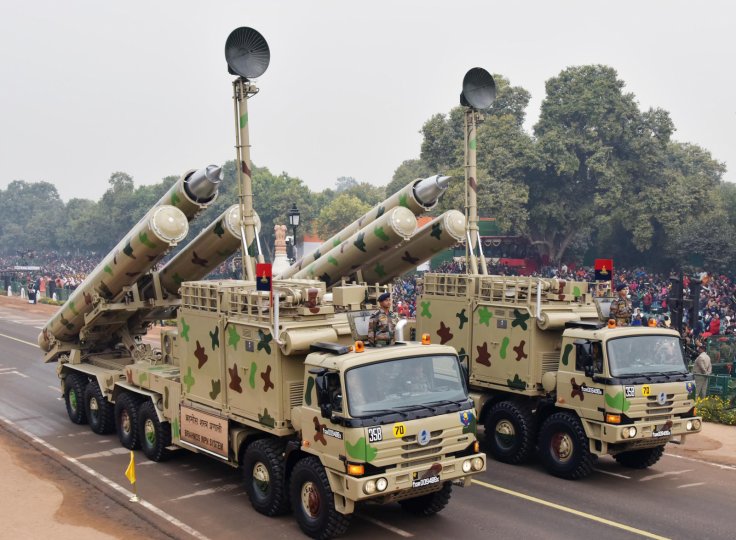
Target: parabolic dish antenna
[(479, 89), (247, 53)]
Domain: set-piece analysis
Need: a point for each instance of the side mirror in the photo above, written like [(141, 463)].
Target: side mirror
[(464, 358)]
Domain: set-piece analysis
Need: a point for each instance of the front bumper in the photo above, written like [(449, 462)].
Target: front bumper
[(648, 434), (405, 483)]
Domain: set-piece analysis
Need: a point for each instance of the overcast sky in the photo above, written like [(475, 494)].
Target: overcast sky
[(93, 87)]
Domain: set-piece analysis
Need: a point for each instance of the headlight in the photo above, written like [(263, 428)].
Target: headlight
[(477, 464), (689, 425), (381, 484), (467, 466), (696, 424), (632, 432), (370, 487)]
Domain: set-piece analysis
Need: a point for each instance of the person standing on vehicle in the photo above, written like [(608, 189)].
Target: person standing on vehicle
[(621, 309), (382, 324), (701, 369)]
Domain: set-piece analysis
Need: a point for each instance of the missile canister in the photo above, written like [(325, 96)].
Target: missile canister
[(203, 254), (418, 196), (369, 242), (439, 234), (194, 191), (135, 255)]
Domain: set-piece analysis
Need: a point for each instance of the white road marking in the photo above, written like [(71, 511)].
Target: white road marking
[(662, 475), (691, 485), (696, 460), (395, 530), (105, 453), (117, 487), (210, 491), (14, 373), (613, 474), (55, 388)]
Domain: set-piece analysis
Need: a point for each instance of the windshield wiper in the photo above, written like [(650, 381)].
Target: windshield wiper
[(445, 402), (384, 411)]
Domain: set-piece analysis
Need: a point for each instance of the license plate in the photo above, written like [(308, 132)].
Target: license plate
[(424, 482), (661, 432)]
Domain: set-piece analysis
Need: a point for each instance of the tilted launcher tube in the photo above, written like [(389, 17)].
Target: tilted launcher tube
[(136, 254), (369, 242), (441, 233), (418, 196)]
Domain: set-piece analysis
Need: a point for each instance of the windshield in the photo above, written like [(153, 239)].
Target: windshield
[(645, 355), (404, 384)]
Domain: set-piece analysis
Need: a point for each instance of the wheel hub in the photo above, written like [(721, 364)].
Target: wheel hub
[(562, 446), (261, 478), (125, 422), (150, 431), (310, 499), (505, 433)]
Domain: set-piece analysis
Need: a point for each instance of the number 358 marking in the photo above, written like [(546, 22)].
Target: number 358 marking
[(375, 434)]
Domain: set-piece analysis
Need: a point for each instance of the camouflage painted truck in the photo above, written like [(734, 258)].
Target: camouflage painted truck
[(545, 372)]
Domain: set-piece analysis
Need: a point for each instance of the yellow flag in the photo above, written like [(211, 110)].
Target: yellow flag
[(130, 471)]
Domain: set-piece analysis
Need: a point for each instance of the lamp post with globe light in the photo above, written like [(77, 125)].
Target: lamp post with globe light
[(294, 222)]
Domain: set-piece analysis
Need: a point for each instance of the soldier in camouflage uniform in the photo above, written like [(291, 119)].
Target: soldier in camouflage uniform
[(621, 309), (382, 324)]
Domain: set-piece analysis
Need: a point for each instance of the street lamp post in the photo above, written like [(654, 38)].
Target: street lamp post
[(294, 222)]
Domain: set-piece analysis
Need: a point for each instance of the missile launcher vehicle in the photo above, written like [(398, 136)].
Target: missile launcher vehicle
[(270, 376), (546, 367)]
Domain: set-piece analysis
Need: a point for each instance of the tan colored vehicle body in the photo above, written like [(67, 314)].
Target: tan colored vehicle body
[(526, 342), (244, 385)]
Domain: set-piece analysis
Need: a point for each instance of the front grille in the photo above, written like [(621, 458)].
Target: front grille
[(413, 451), (655, 411)]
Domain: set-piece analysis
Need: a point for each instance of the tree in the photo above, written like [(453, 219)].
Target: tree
[(342, 211), (345, 183)]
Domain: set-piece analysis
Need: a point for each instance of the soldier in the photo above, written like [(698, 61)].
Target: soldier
[(621, 309), (701, 369), (382, 324)]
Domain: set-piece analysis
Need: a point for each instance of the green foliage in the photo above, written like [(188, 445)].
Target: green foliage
[(342, 211), (717, 409)]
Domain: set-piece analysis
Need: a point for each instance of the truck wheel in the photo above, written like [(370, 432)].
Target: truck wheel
[(313, 501), (263, 472), (154, 435), (126, 420), (100, 413), (563, 447), (510, 432), (428, 505), (640, 459), (74, 385)]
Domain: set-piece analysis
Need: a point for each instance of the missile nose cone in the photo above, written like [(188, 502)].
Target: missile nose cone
[(428, 190), (202, 184)]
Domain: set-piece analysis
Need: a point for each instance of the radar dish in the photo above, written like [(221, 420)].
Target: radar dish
[(479, 89), (247, 53)]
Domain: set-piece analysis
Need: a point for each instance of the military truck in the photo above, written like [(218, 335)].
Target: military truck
[(270, 376), (547, 369)]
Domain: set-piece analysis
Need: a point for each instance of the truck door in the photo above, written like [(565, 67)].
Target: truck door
[(580, 364), (323, 400)]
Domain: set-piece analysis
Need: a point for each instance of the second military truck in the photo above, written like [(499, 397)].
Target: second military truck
[(545, 372)]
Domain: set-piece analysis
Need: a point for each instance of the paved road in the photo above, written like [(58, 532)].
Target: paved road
[(198, 497)]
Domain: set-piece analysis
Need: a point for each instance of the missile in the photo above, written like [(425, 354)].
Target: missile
[(439, 234), (371, 241), (418, 196), (146, 243), (208, 250)]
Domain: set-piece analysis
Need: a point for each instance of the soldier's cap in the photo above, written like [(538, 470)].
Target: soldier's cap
[(384, 296), (621, 287)]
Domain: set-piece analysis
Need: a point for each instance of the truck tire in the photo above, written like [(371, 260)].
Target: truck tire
[(511, 432), (126, 420), (100, 412), (313, 501), (74, 386), (154, 435), (430, 504), (563, 447), (640, 459), (263, 473)]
